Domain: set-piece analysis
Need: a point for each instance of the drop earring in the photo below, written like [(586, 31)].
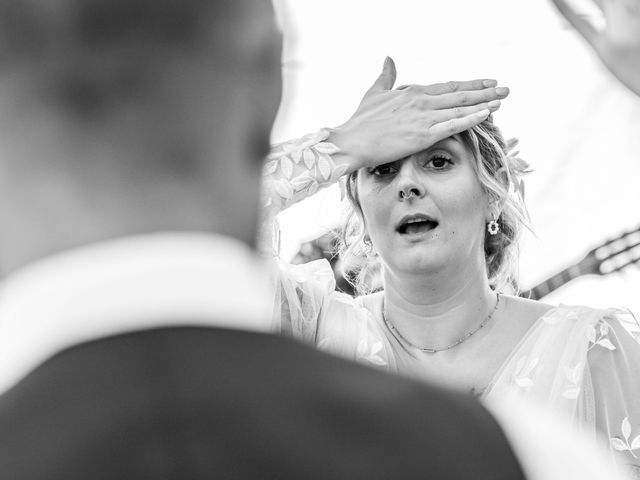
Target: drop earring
[(493, 227)]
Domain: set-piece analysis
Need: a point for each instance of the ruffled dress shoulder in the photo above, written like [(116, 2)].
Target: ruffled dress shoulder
[(308, 307), (583, 362)]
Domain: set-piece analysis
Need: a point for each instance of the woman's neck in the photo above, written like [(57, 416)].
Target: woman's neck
[(437, 310)]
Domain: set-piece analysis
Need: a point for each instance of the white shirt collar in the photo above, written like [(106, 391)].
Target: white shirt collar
[(136, 283)]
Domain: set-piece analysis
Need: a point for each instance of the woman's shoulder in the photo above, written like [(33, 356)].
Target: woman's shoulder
[(533, 310), (348, 312), (349, 327), (526, 308), (599, 328), (593, 318), (604, 329), (524, 314), (372, 302)]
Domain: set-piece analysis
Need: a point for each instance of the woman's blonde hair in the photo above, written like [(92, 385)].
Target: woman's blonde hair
[(499, 171)]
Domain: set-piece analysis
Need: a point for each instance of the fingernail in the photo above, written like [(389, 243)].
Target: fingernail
[(483, 113), (494, 104), (489, 83), (502, 91)]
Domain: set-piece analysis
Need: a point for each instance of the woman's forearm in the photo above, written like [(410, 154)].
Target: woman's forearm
[(293, 171), (298, 168)]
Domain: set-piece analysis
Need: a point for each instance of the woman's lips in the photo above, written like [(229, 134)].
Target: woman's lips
[(413, 228), (416, 224)]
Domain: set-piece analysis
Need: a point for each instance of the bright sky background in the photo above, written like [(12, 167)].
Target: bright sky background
[(578, 128)]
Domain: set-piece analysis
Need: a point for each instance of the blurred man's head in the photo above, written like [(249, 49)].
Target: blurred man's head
[(142, 114)]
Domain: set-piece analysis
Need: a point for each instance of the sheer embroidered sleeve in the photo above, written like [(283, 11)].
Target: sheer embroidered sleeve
[(293, 171), (309, 309), (298, 168), (614, 369), (584, 363)]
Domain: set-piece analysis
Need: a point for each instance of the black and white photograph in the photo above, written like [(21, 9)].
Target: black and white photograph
[(303, 239)]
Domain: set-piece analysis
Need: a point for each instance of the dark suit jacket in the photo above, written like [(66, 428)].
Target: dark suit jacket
[(206, 403)]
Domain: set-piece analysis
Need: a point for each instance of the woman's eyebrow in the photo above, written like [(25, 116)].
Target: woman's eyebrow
[(455, 138), (443, 143)]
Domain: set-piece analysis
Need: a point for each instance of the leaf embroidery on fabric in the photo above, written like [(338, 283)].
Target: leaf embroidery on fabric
[(286, 165), (599, 335), (571, 393), (574, 377), (283, 188), (324, 166), (309, 158), (524, 370), (327, 148), (285, 174), (271, 167), (606, 343), (302, 182), (621, 445), (296, 156), (573, 374)]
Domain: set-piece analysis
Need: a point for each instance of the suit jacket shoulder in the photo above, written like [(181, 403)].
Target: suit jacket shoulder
[(213, 403)]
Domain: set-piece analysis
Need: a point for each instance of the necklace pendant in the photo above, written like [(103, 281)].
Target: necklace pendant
[(429, 350)]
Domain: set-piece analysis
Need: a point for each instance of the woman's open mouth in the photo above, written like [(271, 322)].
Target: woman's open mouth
[(416, 224)]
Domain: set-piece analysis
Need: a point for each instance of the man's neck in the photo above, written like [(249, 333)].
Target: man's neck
[(46, 228)]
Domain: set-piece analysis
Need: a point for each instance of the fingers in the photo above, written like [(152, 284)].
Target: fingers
[(457, 94), (450, 87), (387, 78), (467, 98), (440, 116), (579, 23), (443, 130)]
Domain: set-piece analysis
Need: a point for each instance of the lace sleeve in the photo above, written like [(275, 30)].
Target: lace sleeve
[(584, 363), (295, 170), (300, 294), (614, 366)]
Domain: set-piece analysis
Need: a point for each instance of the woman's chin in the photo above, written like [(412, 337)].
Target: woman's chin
[(419, 263)]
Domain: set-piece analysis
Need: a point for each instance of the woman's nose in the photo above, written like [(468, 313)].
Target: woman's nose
[(408, 184)]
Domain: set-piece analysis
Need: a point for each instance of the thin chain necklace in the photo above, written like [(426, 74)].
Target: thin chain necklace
[(396, 333)]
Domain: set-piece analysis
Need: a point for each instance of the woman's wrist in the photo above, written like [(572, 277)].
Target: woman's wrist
[(346, 154)]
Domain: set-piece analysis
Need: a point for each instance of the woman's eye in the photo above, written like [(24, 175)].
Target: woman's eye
[(382, 170), (439, 163)]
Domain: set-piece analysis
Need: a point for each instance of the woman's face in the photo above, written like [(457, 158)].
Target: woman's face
[(426, 213)]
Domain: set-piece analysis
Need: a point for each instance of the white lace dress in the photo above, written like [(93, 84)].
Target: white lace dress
[(581, 361)]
